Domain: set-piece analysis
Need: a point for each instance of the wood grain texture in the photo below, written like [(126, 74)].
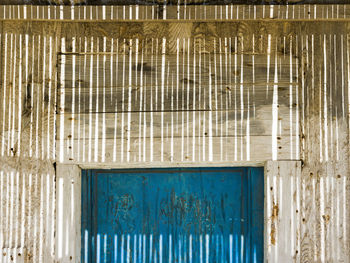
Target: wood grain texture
[(28, 91), (282, 213), (170, 2), (325, 147), (27, 225), (68, 202), (297, 108), (160, 88), (27, 143), (94, 13)]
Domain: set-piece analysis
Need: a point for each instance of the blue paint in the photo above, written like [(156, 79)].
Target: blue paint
[(187, 215)]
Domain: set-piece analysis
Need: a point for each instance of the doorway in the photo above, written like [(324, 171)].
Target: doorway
[(173, 215)]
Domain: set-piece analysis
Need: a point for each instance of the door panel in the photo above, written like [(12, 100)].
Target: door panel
[(173, 215)]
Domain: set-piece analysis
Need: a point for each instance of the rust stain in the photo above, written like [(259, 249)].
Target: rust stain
[(275, 211), (326, 218), (29, 256), (273, 234), (274, 217)]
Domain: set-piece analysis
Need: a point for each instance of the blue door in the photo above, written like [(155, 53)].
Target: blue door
[(197, 215)]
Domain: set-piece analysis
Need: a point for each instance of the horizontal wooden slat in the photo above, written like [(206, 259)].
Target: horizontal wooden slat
[(141, 99), (171, 2), (334, 10), (178, 149), (157, 83), (167, 124)]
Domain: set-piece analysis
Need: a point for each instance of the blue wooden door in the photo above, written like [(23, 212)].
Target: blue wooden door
[(197, 215)]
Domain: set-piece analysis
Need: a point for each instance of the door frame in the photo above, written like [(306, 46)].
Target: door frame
[(68, 204)]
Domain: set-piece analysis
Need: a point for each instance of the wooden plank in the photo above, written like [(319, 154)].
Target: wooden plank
[(235, 10), (197, 123), (147, 2), (27, 93), (68, 207), (168, 150), (325, 147), (188, 84), (28, 217), (282, 211), (187, 98)]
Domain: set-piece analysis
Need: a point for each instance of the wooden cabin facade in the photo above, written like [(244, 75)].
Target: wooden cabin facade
[(162, 86)]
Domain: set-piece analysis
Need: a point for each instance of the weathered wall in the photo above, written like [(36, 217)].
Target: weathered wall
[(27, 174), (164, 92), (325, 187), (175, 94)]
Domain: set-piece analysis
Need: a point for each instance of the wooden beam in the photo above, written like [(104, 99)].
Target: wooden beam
[(170, 2)]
